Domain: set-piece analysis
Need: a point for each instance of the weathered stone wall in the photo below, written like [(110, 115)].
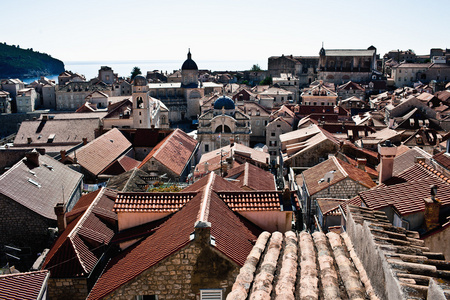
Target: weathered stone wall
[(22, 227), (344, 189), (182, 275), (311, 158), (11, 122), (439, 241), (67, 288)]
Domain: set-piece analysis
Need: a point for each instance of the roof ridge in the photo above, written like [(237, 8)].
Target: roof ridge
[(246, 170), (434, 172), (129, 178), (206, 197), (338, 164)]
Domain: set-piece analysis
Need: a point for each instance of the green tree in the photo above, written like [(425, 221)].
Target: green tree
[(255, 68), (136, 71), (266, 81)]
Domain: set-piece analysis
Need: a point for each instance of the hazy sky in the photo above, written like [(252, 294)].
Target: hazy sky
[(220, 30)]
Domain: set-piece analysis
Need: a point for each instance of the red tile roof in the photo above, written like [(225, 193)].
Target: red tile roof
[(341, 170), (101, 152), (152, 202), (407, 197), (252, 200), (71, 255), (251, 177), (122, 165), (40, 188), (227, 229), (173, 152), (443, 158), (24, 286)]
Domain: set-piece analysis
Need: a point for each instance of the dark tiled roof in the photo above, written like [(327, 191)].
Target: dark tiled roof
[(40, 188), (24, 286), (71, 255), (101, 152), (131, 181), (63, 131), (121, 165), (227, 229), (173, 152), (152, 202)]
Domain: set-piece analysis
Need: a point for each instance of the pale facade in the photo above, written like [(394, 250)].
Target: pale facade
[(26, 100)]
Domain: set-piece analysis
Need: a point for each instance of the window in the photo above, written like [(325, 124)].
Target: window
[(210, 294), (272, 134), (146, 297), (206, 148)]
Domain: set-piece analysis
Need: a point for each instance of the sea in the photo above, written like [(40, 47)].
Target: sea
[(123, 68)]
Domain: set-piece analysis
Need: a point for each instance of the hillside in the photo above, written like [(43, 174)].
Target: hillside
[(17, 62)]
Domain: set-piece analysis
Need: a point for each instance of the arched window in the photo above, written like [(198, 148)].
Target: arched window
[(140, 102), (226, 129)]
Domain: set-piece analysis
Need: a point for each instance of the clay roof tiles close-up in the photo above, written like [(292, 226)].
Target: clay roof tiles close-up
[(24, 286)]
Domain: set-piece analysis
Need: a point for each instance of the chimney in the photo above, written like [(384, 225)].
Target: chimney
[(60, 212), (361, 163), (33, 157), (29, 140), (387, 153), (63, 154), (44, 117), (203, 233), (84, 141), (432, 207)]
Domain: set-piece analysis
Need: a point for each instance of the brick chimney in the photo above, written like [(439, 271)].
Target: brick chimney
[(84, 141), (60, 212), (387, 153), (33, 157), (361, 163), (432, 208)]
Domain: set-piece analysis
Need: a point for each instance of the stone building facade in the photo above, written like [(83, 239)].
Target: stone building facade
[(218, 126), (184, 274), (67, 288)]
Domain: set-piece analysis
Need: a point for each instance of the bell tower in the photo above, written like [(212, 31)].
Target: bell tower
[(141, 103)]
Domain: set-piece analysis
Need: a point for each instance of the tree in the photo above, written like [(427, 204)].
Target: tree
[(136, 71), (255, 68), (266, 81)]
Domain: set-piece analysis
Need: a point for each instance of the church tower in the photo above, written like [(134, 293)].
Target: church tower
[(189, 73), (142, 105)]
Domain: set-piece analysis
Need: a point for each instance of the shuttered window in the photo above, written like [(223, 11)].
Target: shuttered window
[(211, 294)]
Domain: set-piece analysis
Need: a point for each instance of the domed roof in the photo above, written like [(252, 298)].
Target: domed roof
[(140, 81), (189, 64), (225, 102)]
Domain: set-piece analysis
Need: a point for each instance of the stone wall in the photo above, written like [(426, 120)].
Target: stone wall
[(23, 228), (181, 276), (67, 288), (11, 122)]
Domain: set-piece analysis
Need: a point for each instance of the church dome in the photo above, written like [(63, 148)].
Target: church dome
[(225, 102), (139, 81), (189, 64)]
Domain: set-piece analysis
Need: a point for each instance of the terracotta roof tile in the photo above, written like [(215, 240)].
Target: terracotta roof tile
[(26, 286), (101, 152), (407, 197), (443, 158), (226, 228), (152, 202), (71, 255), (252, 177), (341, 170), (174, 151), (252, 200)]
